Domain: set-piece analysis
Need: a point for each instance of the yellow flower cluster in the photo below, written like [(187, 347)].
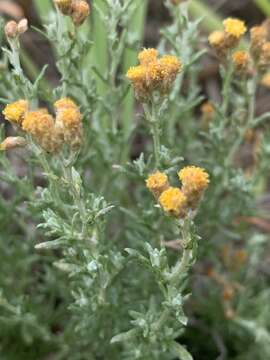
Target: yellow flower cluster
[(157, 183), (78, 10), (257, 58), (153, 74), (224, 40), (51, 134), (178, 201)]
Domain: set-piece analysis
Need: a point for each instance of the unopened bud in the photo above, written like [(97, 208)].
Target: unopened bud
[(11, 29), (22, 26), (12, 142)]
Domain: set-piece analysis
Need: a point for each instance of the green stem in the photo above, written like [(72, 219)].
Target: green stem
[(226, 93), (184, 264), (152, 118), (251, 100)]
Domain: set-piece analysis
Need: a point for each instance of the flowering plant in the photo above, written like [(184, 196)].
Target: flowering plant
[(106, 252)]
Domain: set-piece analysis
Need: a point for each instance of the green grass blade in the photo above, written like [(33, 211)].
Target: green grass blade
[(210, 21), (130, 59), (264, 6)]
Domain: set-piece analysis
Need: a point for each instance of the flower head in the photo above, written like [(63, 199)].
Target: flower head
[(137, 76), (64, 103), (234, 27), (217, 40), (207, 109), (241, 61), (170, 67), (11, 29), (157, 183), (153, 73), (266, 80), (69, 121), (40, 125), (258, 37), (147, 56), (174, 201), (264, 60), (80, 12), (15, 112), (194, 181)]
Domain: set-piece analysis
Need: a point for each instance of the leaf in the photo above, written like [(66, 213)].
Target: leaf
[(181, 352), (53, 244), (76, 178), (124, 336)]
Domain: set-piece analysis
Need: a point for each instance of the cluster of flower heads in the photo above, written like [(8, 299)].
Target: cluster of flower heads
[(48, 132), (153, 73), (78, 10), (179, 201), (245, 61), (224, 40), (14, 30)]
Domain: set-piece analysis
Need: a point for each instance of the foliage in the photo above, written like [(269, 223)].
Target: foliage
[(91, 266)]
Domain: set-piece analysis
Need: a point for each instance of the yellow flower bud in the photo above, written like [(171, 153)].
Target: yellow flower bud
[(80, 11), (241, 61), (174, 202), (15, 112), (40, 125), (217, 40), (157, 183), (69, 122), (194, 181)]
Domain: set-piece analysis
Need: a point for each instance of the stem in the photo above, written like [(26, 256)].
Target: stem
[(185, 263), (251, 99), (152, 118), (156, 140), (67, 172), (226, 88)]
